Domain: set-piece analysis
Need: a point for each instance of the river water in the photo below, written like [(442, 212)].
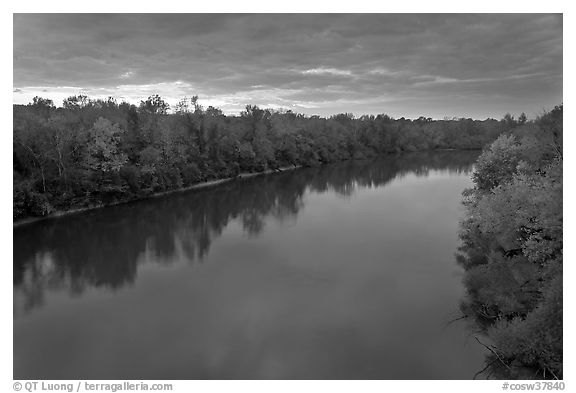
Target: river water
[(345, 271)]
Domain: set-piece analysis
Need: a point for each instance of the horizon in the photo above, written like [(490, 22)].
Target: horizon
[(285, 110)]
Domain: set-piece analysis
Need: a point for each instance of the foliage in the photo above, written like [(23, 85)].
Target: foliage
[(512, 248), (102, 147), (498, 163), (93, 152)]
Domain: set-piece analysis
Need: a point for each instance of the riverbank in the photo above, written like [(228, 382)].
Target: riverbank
[(196, 186)]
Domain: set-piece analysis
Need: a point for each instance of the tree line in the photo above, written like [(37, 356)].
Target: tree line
[(512, 250), (97, 152)]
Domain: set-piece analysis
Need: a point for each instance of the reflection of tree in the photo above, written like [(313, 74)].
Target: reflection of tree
[(104, 247)]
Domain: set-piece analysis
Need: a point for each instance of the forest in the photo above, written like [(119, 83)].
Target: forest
[(89, 153), (512, 250)]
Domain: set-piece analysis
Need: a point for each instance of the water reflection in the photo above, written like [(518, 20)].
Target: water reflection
[(104, 248)]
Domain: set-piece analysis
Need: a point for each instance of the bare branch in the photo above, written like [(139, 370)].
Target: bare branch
[(493, 351)]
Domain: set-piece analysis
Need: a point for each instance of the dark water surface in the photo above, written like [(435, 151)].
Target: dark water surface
[(345, 271)]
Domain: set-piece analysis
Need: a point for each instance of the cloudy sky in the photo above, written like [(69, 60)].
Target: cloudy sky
[(404, 65)]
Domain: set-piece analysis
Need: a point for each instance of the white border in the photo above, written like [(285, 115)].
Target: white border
[(303, 6)]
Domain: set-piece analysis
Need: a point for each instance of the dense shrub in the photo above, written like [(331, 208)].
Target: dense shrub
[(512, 249)]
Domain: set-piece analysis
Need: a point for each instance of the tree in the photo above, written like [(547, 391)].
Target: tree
[(257, 120), (154, 105), (76, 102), (103, 154), (39, 102), (522, 118), (497, 163), (552, 123)]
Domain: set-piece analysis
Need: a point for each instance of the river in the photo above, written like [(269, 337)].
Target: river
[(344, 271)]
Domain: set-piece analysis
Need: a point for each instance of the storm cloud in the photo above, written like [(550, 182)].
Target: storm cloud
[(401, 64)]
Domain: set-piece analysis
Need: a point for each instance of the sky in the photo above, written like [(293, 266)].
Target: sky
[(404, 65)]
